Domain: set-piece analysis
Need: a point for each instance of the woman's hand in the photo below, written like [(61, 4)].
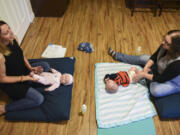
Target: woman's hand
[(148, 66), (28, 78), (146, 69), (37, 70), (138, 76)]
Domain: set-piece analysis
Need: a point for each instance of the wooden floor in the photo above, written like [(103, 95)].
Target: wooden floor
[(104, 23)]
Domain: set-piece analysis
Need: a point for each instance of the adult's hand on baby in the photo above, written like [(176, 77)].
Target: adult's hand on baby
[(48, 89), (27, 78), (31, 74), (138, 76), (33, 77), (37, 70), (146, 69)]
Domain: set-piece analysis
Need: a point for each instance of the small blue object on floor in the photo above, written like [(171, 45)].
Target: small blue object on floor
[(86, 47), (143, 127)]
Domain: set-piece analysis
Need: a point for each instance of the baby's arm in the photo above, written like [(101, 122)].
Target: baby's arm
[(54, 71), (53, 87), (40, 79), (35, 76)]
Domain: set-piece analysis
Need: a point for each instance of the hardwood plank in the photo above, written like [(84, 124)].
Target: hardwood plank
[(105, 24)]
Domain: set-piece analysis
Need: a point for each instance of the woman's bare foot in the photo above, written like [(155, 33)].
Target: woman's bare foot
[(2, 109)]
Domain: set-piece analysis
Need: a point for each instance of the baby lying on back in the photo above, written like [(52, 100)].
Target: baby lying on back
[(113, 81), (53, 78)]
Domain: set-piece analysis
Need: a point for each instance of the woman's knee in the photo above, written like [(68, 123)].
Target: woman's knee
[(155, 89), (45, 66), (144, 58), (161, 89), (35, 95), (40, 99), (154, 92)]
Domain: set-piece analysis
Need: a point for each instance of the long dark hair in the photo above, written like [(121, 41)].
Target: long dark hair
[(2, 23), (174, 50), (175, 46), (3, 49)]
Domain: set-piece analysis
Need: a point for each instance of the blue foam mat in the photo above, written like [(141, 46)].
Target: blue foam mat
[(143, 127)]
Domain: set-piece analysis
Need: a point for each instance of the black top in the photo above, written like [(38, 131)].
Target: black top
[(15, 66), (171, 71)]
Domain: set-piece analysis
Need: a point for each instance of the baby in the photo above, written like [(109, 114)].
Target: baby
[(113, 81), (53, 78)]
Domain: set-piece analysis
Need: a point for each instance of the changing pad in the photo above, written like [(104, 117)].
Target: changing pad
[(127, 105)]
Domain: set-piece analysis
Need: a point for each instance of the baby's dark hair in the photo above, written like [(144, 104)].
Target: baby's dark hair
[(109, 76), (105, 77)]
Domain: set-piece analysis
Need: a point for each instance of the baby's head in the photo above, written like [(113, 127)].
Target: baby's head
[(111, 86), (66, 79)]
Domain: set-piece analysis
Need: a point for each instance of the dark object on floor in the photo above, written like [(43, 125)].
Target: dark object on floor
[(49, 8), (86, 47), (168, 4), (168, 107), (133, 4), (57, 104), (152, 4)]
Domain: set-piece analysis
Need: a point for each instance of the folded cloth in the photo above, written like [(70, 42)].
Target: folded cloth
[(143, 127), (87, 47)]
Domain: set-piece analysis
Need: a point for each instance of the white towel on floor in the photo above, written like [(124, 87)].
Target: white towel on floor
[(127, 105)]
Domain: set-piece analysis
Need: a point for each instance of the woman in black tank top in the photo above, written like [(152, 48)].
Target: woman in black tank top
[(14, 73)]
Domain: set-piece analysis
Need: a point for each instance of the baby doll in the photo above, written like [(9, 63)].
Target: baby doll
[(113, 81), (53, 78)]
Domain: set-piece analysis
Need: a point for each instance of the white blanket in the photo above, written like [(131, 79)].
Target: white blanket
[(127, 105)]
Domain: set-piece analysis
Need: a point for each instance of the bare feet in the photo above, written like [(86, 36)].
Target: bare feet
[(2, 109)]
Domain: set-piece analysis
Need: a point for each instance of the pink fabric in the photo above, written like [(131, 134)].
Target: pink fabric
[(48, 78)]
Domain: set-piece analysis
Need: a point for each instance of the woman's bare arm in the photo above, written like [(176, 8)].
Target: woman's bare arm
[(10, 79)]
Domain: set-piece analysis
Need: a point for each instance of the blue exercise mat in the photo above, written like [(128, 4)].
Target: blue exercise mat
[(57, 103), (143, 127)]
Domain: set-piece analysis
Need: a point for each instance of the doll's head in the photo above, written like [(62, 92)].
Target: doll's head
[(66, 79), (111, 86)]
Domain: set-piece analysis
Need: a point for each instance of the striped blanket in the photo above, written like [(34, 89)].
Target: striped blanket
[(127, 105)]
